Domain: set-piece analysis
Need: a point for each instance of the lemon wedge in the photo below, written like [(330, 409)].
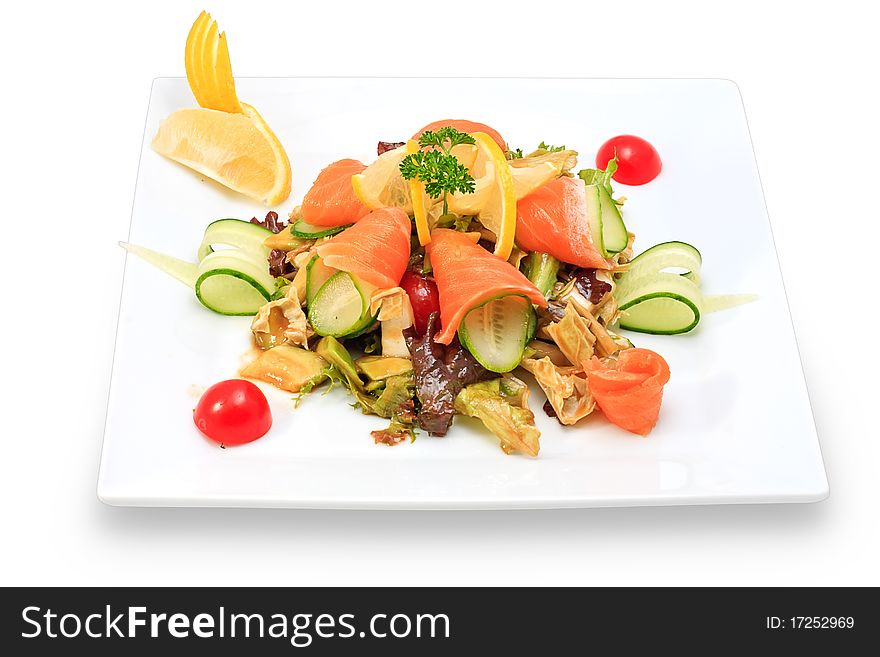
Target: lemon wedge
[(381, 184), (237, 150)]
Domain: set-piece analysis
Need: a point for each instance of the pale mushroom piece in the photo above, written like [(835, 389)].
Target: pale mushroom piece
[(573, 336), (566, 388), (607, 310), (605, 344), (538, 349), (282, 322), (394, 311)]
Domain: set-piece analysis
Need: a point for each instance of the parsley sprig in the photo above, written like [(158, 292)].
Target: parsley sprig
[(439, 170)]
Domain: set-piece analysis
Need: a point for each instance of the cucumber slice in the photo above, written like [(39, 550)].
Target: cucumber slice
[(606, 223), (317, 273), (341, 307), (240, 261), (230, 292), (231, 282), (309, 231), (666, 256), (659, 303), (236, 233), (614, 234), (660, 291), (532, 329), (497, 332)]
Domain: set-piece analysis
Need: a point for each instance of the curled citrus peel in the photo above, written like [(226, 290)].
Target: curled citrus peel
[(208, 69)]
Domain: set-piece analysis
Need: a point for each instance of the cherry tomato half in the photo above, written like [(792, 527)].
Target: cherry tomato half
[(638, 162), (423, 296), (233, 412)]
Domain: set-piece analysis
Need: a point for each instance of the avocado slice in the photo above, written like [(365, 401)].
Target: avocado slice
[(286, 241), (331, 350), (375, 387), (377, 368), (290, 368), (385, 401)]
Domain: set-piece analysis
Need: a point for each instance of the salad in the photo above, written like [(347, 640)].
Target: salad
[(437, 280)]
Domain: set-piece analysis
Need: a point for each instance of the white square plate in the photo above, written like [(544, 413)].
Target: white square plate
[(736, 424)]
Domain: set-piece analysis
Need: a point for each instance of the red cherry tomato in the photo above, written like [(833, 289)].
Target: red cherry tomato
[(233, 412), (637, 161), (423, 296)]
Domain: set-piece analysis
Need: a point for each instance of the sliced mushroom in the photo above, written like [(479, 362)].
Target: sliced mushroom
[(393, 310), (566, 388), (573, 336), (282, 322)]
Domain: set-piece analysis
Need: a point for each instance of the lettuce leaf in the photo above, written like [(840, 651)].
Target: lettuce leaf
[(502, 406), (600, 177)]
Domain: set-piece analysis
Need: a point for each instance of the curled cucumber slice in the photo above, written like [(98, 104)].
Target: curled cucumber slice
[(233, 282), (309, 231), (236, 233), (341, 307), (665, 304), (606, 223), (660, 291), (317, 273), (614, 234), (497, 332), (230, 292)]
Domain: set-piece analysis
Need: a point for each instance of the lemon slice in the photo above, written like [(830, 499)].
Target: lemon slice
[(419, 200), (528, 179), (528, 174), (498, 213), (381, 185)]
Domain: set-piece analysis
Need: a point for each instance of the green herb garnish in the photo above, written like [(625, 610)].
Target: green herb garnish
[(439, 170)]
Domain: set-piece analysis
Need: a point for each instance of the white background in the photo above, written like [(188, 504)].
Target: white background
[(75, 83)]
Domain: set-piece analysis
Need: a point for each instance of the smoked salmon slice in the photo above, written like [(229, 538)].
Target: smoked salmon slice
[(375, 249), (467, 276), (331, 201), (463, 125), (554, 219), (629, 389)]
